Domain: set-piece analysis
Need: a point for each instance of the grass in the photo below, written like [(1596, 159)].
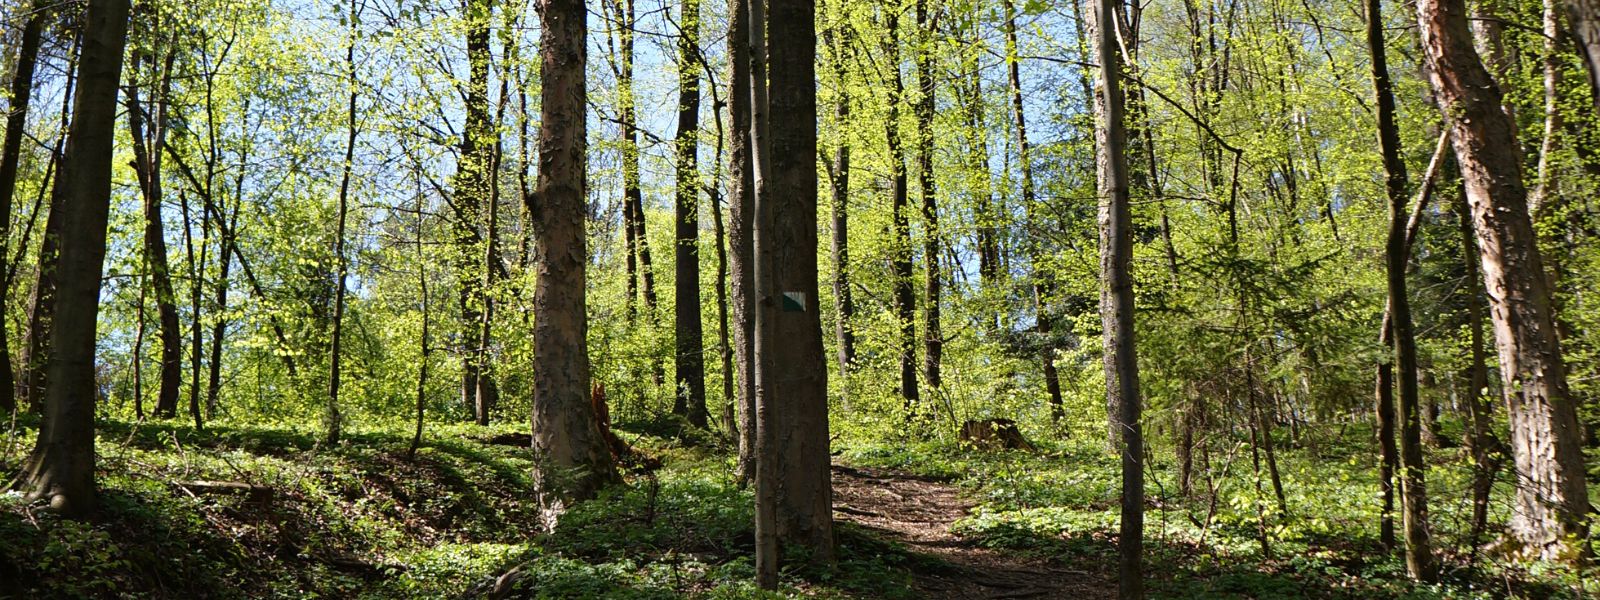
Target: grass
[(362, 521)]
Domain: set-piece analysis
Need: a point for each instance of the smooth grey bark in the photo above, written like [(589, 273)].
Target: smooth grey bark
[(61, 467)]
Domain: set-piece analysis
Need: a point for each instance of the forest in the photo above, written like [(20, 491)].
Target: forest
[(965, 299)]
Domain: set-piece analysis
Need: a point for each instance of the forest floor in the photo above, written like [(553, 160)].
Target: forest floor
[(918, 512)]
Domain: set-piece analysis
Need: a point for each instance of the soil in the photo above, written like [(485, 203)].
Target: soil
[(917, 512)]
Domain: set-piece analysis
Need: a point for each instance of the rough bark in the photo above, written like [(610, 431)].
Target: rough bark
[(797, 384), (61, 468), (1552, 497), (574, 462), (10, 156), (689, 397), (1420, 563), (1481, 443)]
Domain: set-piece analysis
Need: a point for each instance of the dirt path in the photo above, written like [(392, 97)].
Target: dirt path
[(918, 512)]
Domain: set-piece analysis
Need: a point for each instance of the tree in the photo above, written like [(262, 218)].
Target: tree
[(1116, 298), (478, 141), (933, 341), (61, 467), (1047, 354), (574, 462), (147, 153), (1585, 18), (332, 419), (1552, 495), (905, 296), (10, 155), (690, 396), (839, 37), (1419, 552), (741, 190)]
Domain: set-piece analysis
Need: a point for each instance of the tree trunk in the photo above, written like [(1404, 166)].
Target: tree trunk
[(61, 468), (228, 223), (741, 188), (933, 340), (840, 38), (422, 340), (796, 385), (1553, 499), (763, 305), (1419, 552), (574, 459), (1388, 454), (1116, 300), (1584, 16), (689, 398), (1481, 442), (1047, 353), (10, 155), (332, 419), (905, 297), (147, 152), (472, 199)]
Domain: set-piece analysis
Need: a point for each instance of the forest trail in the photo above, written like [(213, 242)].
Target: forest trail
[(918, 512)]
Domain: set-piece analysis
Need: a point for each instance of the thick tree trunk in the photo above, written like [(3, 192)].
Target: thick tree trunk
[(689, 398), (797, 383), (61, 468), (10, 156), (1116, 299), (905, 296), (574, 461), (933, 340), (1553, 497), (741, 188), (1419, 551)]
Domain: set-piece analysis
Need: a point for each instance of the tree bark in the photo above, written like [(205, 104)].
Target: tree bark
[(1481, 442), (840, 37), (61, 468), (574, 461), (1420, 563), (10, 156), (474, 174), (797, 383), (1116, 300), (147, 153), (741, 188), (933, 334), (333, 421), (1552, 499), (689, 398), (763, 305), (905, 297), (1584, 16)]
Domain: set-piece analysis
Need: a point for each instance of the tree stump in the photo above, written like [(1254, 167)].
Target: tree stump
[(995, 434)]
